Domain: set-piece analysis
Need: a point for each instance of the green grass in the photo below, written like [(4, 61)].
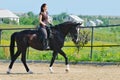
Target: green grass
[(2, 55), (15, 26)]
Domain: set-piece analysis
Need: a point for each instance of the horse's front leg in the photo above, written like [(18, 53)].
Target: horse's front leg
[(52, 60), (66, 60)]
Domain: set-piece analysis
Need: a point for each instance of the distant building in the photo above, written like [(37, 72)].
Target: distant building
[(98, 22), (8, 14), (90, 23), (74, 18)]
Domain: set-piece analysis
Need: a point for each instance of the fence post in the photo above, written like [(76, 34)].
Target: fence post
[(92, 42), (0, 36)]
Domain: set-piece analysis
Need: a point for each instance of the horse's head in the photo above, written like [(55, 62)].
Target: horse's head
[(74, 32), (70, 27)]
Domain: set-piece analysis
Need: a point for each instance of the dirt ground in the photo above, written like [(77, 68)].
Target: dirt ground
[(77, 72)]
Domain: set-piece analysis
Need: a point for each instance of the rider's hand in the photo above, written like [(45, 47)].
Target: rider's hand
[(51, 24)]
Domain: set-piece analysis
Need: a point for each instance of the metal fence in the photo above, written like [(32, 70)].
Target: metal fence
[(91, 41), (92, 36)]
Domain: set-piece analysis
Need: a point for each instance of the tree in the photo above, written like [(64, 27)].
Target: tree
[(29, 19), (35, 21), (59, 18), (6, 20), (25, 21), (31, 14)]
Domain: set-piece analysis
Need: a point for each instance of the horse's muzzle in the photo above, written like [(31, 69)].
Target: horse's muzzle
[(76, 41)]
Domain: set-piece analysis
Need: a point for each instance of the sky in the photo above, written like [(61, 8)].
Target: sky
[(78, 7)]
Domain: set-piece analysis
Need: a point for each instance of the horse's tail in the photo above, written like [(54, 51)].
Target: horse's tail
[(12, 44)]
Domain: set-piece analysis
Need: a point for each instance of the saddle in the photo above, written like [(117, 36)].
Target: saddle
[(49, 32)]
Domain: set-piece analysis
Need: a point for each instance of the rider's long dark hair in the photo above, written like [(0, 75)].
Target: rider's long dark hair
[(42, 6)]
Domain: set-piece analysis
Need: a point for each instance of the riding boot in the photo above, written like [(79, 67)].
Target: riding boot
[(45, 45)]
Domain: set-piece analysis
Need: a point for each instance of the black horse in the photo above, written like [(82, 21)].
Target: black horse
[(30, 38)]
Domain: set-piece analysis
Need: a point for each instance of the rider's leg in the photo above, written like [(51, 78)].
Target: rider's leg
[(45, 41)]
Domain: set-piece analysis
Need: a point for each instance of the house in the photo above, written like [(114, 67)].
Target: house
[(90, 23), (4, 13), (74, 18), (98, 22)]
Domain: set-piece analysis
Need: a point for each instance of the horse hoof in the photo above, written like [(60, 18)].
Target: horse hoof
[(8, 72), (30, 72), (67, 70), (51, 70)]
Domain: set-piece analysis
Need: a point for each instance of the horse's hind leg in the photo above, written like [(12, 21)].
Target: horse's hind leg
[(23, 59), (66, 59), (13, 60)]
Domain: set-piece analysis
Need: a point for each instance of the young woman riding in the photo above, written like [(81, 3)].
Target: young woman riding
[(43, 20)]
